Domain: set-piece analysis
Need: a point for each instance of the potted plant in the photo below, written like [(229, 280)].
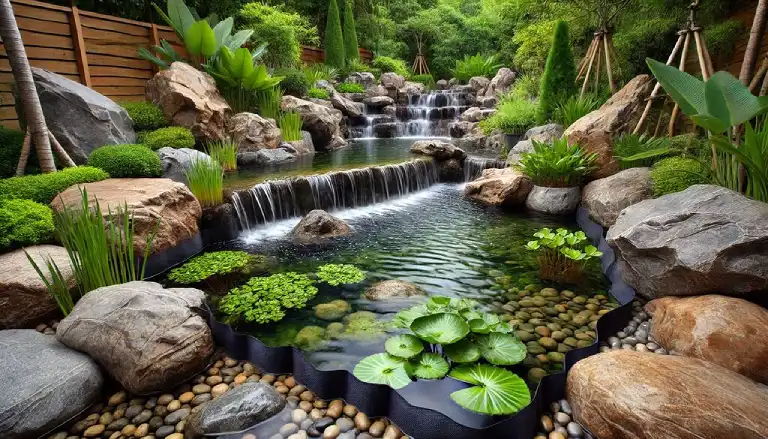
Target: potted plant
[(562, 254), (514, 117), (557, 171)]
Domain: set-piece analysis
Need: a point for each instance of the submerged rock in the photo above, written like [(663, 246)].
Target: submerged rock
[(319, 224), (607, 197), (553, 200), (334, 310), (310, 337), (392, 289), (505, 187)]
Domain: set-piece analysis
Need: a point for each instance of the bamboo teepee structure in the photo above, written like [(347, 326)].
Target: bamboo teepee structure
[(600, 53), (420, 66)]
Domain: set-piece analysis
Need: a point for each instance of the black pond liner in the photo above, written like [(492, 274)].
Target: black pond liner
[(424, 409)]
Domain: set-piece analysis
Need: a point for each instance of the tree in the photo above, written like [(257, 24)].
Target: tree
[(753, 46), (37, 130), (351, 49), (559, 81), (334, 42)]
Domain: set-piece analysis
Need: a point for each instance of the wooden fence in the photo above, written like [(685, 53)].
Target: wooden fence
[(100, 51)]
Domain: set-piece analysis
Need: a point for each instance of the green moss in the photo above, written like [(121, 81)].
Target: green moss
[(349, 87), (126, 161), (171, 137), (145, 115), (388, 64), (334, 330), (318, 93), (43, 188), (351, 48), (24, 223), (334, 41), (676, 174), (333, 310), (310, 338), (559, 81)]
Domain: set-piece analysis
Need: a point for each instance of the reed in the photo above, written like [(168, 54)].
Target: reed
[(268, 102), (290, 126), (205, 179), (225, 153)]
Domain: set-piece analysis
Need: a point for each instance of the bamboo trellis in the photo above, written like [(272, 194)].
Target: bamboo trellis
[(601, 52), (420, 66)]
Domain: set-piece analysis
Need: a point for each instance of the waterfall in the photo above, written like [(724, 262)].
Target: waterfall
[(282, 199), (474, 166)]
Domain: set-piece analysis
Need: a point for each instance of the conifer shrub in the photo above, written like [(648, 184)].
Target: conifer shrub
[(334, 41), (351, 48), (559, 81)]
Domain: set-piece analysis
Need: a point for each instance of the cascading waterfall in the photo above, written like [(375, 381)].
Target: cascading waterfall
[(474, 166)]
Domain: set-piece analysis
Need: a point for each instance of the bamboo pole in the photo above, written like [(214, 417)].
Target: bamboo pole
[(683, 59), (657, 87), (705, 72), (583, 63), (599, 66), (589, 71), (608, 67)]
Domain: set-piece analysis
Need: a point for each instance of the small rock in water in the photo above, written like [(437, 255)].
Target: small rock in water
[(298, 416)]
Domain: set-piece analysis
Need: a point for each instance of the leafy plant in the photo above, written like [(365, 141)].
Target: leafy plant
[(514, 116), (388, 64), (495, 391), (57, 285), (427, 80), (477, 65), (337, 274), (350, 87), (205, 179), (224, 152), (266, 299), (239, 79), (334, 41), (320, 72), (24, 223), (632, 150), (171, 137), (573, 109), (557, 165), (357, 66), (126, 161), (318, 93), (559, 81), (42, 188), (281, 30), (562, 254), (290, 126), (675, 174), (145, 115), (294, 82), (268, 102)]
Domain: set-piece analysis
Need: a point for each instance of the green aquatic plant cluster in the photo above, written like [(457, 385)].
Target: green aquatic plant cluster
[(216, 264), (350, 87), (265, 299), (337, 274), (557, 165), (450, 337), (563, 254)]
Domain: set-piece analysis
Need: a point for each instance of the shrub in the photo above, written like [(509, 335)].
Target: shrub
[(427, 80), (337, 274), (265, 299), (290, 126), (477, 65), (318, 93), (24, 223), (568, 112), (351, 48), (514, 116), (43, 188), (634, 151), (320, 72), (350, 87), (11, 142), (557, 165), (283, 31), (126, 161), (358, 66), (205, 179), (294, 82), (334, 41), (387, 64), (691, 145), (171, 137), (675, 174), (559, 81), (145, 115), (562, 254)]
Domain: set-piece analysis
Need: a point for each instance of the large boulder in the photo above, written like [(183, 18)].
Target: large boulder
[(501, 83), (505, 187), (705, 239), (438, 149), (264, 157), (723, 330), (475, 114), (545, 133), (24, 299), (45, 383), (304, 146), (479, 84), (189, 98), (366, 79), (553, 200), (148, 338), (319, 224), (599, 143), (625, 394), (80, 118), (392, 289), (376, 90), (386, 130), (238, 409), (322, 122), (411, 89), (607, 197), (252, 132), (378, 101), (158, 205), (450, 171), (391, 80), (516, 153), (461, 128), (177, 160), (347, 107)]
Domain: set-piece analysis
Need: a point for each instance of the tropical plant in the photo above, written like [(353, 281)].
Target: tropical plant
[(290, 126), (567, 112), (294, 82), (320, 72), (266, 299), (205, 179), (337, 274), (563, 255), (477, 65), (334, 41), (224, 152), (351, 49), (170, 137), (449, 336), (24, 223), (268, 102), (145, 115), (632, 150), (356, 66), (557, 165), (513, 116), (318, 93), (218, 270), (239, 79), (42, 188), (388, 64), (350, 87), (126, 161), (559, 81), (675, 174)]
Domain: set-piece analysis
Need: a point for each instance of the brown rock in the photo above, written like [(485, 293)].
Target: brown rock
[(392, 289), (151, 200), (598, 143), (252, 132), (506, 187), (319, 224), (189, 98), (632, 395), (723, 330), (607, 197), (438, 149), (24, 299)]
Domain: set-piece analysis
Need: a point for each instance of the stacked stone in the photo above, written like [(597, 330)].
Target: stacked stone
[(636, 336)]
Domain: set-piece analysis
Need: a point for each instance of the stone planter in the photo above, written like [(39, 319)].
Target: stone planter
[(553, 200), (512, 140)]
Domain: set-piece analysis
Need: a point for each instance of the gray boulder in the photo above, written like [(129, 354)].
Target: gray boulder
[(545, 133), (515, 154), (322, 122), (488, 101), (411, 89), (441, 84), (705, 239), (79, 117), (501, 83), (476, 114), (366, 79), (378, 101), (302, 147), (377, 90), (506, 187), (392, 289), (348, 107), (385, 130), (147, 337), (461, 128), (607, 197), (265, 157), (479, 84), (319, 224), (44, 383), (177, 160), (236, 410), (438, 149), (553, 200), (391, 80)]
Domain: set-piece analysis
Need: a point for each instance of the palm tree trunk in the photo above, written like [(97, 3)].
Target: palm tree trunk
[(22, 74), (753, 46)]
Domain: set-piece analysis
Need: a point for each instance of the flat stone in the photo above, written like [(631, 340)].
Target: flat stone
[(607, 197), (506, 187)]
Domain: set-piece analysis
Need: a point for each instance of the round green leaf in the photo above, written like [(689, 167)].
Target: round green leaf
[(464, 351), (404, 346), (479, 326), (430, 367), (382, 369), (405, 317), (443, 328), (501, 349), (497, 391)]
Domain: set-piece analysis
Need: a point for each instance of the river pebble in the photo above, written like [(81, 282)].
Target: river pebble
[(636, 335), (557, 423)]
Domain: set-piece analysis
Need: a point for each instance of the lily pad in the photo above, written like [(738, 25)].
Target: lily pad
[(442, 328), (405, 317), (464, 351), (496, 391), (501, 349), (382, 369), (404, 346), (430, 367)]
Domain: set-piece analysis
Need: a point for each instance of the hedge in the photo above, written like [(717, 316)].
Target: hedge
[(42, 188), (24, 223), (172, 137), (145, 115), (127, 161)]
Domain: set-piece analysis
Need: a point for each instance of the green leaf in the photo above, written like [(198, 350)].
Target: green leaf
[(405, 317), (479, 326), (235, 41), (440, 300), (442, 328), (533, 245), (501, 349), (710, 123), (430, 367), (382, 369), (180, 16), (463, 351), (685, 90), (717, 107), (222, 32), (737, 101), (496, 392), (200, 40), (404, 346)]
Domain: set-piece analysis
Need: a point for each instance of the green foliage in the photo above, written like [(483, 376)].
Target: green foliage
[(145, 115), (691, 145), (563, 255), (351, 48), (266, 299), (568, 112), (356, 65), (294, 82), (675, 174), (559, 81), (171, 137), (268, 102), (44, 187), (632, 150), (239, 79), (557, 165), (126, 161), (56, 284), (334, 41), (721, 38), (477, 65), (388, 64), (654, 37), (221, 263), (224, 152), (290, 126), (11, 142), (350, 87), (752, 155), (338, 274), (427, 80), (318, 93), (320, 72), (24, 223), (513, 116), (205, 179), (495, 391)]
